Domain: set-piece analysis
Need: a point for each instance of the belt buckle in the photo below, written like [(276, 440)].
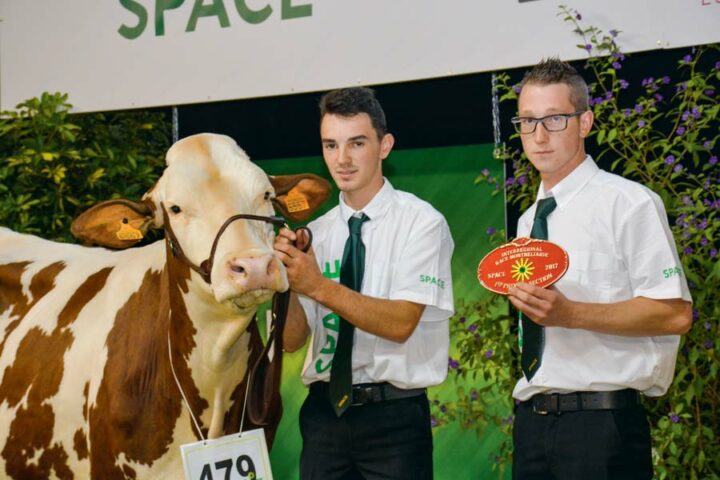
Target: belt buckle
[(361, 396), (551, 402)]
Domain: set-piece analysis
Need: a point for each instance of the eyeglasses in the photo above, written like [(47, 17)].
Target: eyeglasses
[(557, 122)]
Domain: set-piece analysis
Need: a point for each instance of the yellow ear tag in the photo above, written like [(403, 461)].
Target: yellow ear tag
[(296, 201), (128, 232)]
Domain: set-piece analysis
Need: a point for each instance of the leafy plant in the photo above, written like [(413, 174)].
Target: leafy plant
[(54, 164), (666, 137)]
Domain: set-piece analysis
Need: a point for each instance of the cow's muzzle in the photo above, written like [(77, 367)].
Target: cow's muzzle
[(205, 267)]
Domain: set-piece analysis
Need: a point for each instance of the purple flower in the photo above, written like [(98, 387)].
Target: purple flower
[(688, 251), (641, 124), (485, 172), (490, 230), (617, 65), (702, 225), (713, 160), (687, 200), (577, 15), (489, 353), (665, 80), (708, 344), (452, 363), (517, 88), (638, 108), (473, 394), (658, 97), (717, 65), (704, 242), (509, 181), (680, 130), (647, 81), (681, 87), (685, 115), (707, 144), (434, 422), (695, 112), (623, 83), (613, 33), (472, 328), (627, 112), (673, 417), (687, 58), (709, 92), (462, 320), (713, 253), (588, 47), (608, 95), (707, 325), (670, 159), (678, 168), (522, 179)]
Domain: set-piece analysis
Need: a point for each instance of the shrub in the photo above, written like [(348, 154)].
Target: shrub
[(54, 164)]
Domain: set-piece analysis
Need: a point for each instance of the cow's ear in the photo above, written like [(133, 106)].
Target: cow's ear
[(299, 196), (114, 224)]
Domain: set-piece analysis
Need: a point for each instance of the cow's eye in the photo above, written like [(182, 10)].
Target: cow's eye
[(175, 209)]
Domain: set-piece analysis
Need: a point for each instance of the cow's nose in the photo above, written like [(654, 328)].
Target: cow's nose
[(254, 272)]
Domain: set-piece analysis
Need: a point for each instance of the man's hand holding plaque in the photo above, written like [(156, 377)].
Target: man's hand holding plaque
[(524, 260)]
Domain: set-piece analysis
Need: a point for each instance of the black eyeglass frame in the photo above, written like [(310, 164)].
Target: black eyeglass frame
[(516, 121)]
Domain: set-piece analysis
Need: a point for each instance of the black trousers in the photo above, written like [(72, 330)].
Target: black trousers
[(387, 440), (585, 445)]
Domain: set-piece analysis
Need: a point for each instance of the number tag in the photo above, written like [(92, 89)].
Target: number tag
[(232, 457)]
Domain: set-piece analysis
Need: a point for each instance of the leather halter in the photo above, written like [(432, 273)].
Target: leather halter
[(264, 404), (205, 268)]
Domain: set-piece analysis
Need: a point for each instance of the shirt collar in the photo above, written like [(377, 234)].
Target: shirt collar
[(375, 209), (572, 184)]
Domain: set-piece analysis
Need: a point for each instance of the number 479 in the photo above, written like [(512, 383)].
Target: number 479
[(244, 465)]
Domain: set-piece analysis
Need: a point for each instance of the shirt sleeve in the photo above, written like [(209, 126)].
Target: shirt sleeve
[(423, 273), (650, 252)]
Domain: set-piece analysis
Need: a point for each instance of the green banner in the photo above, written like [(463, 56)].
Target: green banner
[(445, 177)]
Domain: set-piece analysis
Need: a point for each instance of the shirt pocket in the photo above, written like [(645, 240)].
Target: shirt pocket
[(589, 276)]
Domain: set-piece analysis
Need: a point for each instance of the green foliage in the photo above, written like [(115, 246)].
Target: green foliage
[(666, 138), (54, 164)]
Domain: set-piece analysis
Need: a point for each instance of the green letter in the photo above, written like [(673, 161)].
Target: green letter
[(331, 321), (252, 16), (131, 33), (200, 10), (297, 11), (332, 274), (160, 7)]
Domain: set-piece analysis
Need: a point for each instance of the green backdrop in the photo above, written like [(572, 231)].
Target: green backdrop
[(445, 178)]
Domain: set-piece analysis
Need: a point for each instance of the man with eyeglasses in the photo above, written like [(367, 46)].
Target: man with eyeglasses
[(608, 331)]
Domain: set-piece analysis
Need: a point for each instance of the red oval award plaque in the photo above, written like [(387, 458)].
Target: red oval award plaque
[(527, 260)]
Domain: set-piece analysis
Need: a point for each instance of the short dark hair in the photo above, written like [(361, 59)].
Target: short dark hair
[(553, 70), (348, 102)]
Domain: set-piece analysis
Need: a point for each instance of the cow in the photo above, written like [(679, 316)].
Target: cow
[(97, 342)]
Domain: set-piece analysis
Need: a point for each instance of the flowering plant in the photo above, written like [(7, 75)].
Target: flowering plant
[(663, 133)]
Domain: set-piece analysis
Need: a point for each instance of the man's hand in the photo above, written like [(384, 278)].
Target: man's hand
[(302, 270), (544, 306)]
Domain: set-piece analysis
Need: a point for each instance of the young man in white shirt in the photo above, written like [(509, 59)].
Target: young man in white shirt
[(398, 315), (610, 327)]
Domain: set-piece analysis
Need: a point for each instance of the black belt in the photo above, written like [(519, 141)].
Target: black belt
[(543, 404), (365, 393)]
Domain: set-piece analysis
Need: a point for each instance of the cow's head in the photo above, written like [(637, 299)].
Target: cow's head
[(209, 180)]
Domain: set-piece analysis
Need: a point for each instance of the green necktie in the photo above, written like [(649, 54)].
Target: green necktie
[(533, 335), (351, 275)]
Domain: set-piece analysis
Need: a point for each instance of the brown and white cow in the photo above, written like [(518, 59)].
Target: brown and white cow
[(86, 384)]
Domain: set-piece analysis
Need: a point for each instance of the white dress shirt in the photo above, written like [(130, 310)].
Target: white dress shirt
[(619, 246), (408, 249)]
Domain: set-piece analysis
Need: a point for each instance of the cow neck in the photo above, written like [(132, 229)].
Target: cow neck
[(205, 267)]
